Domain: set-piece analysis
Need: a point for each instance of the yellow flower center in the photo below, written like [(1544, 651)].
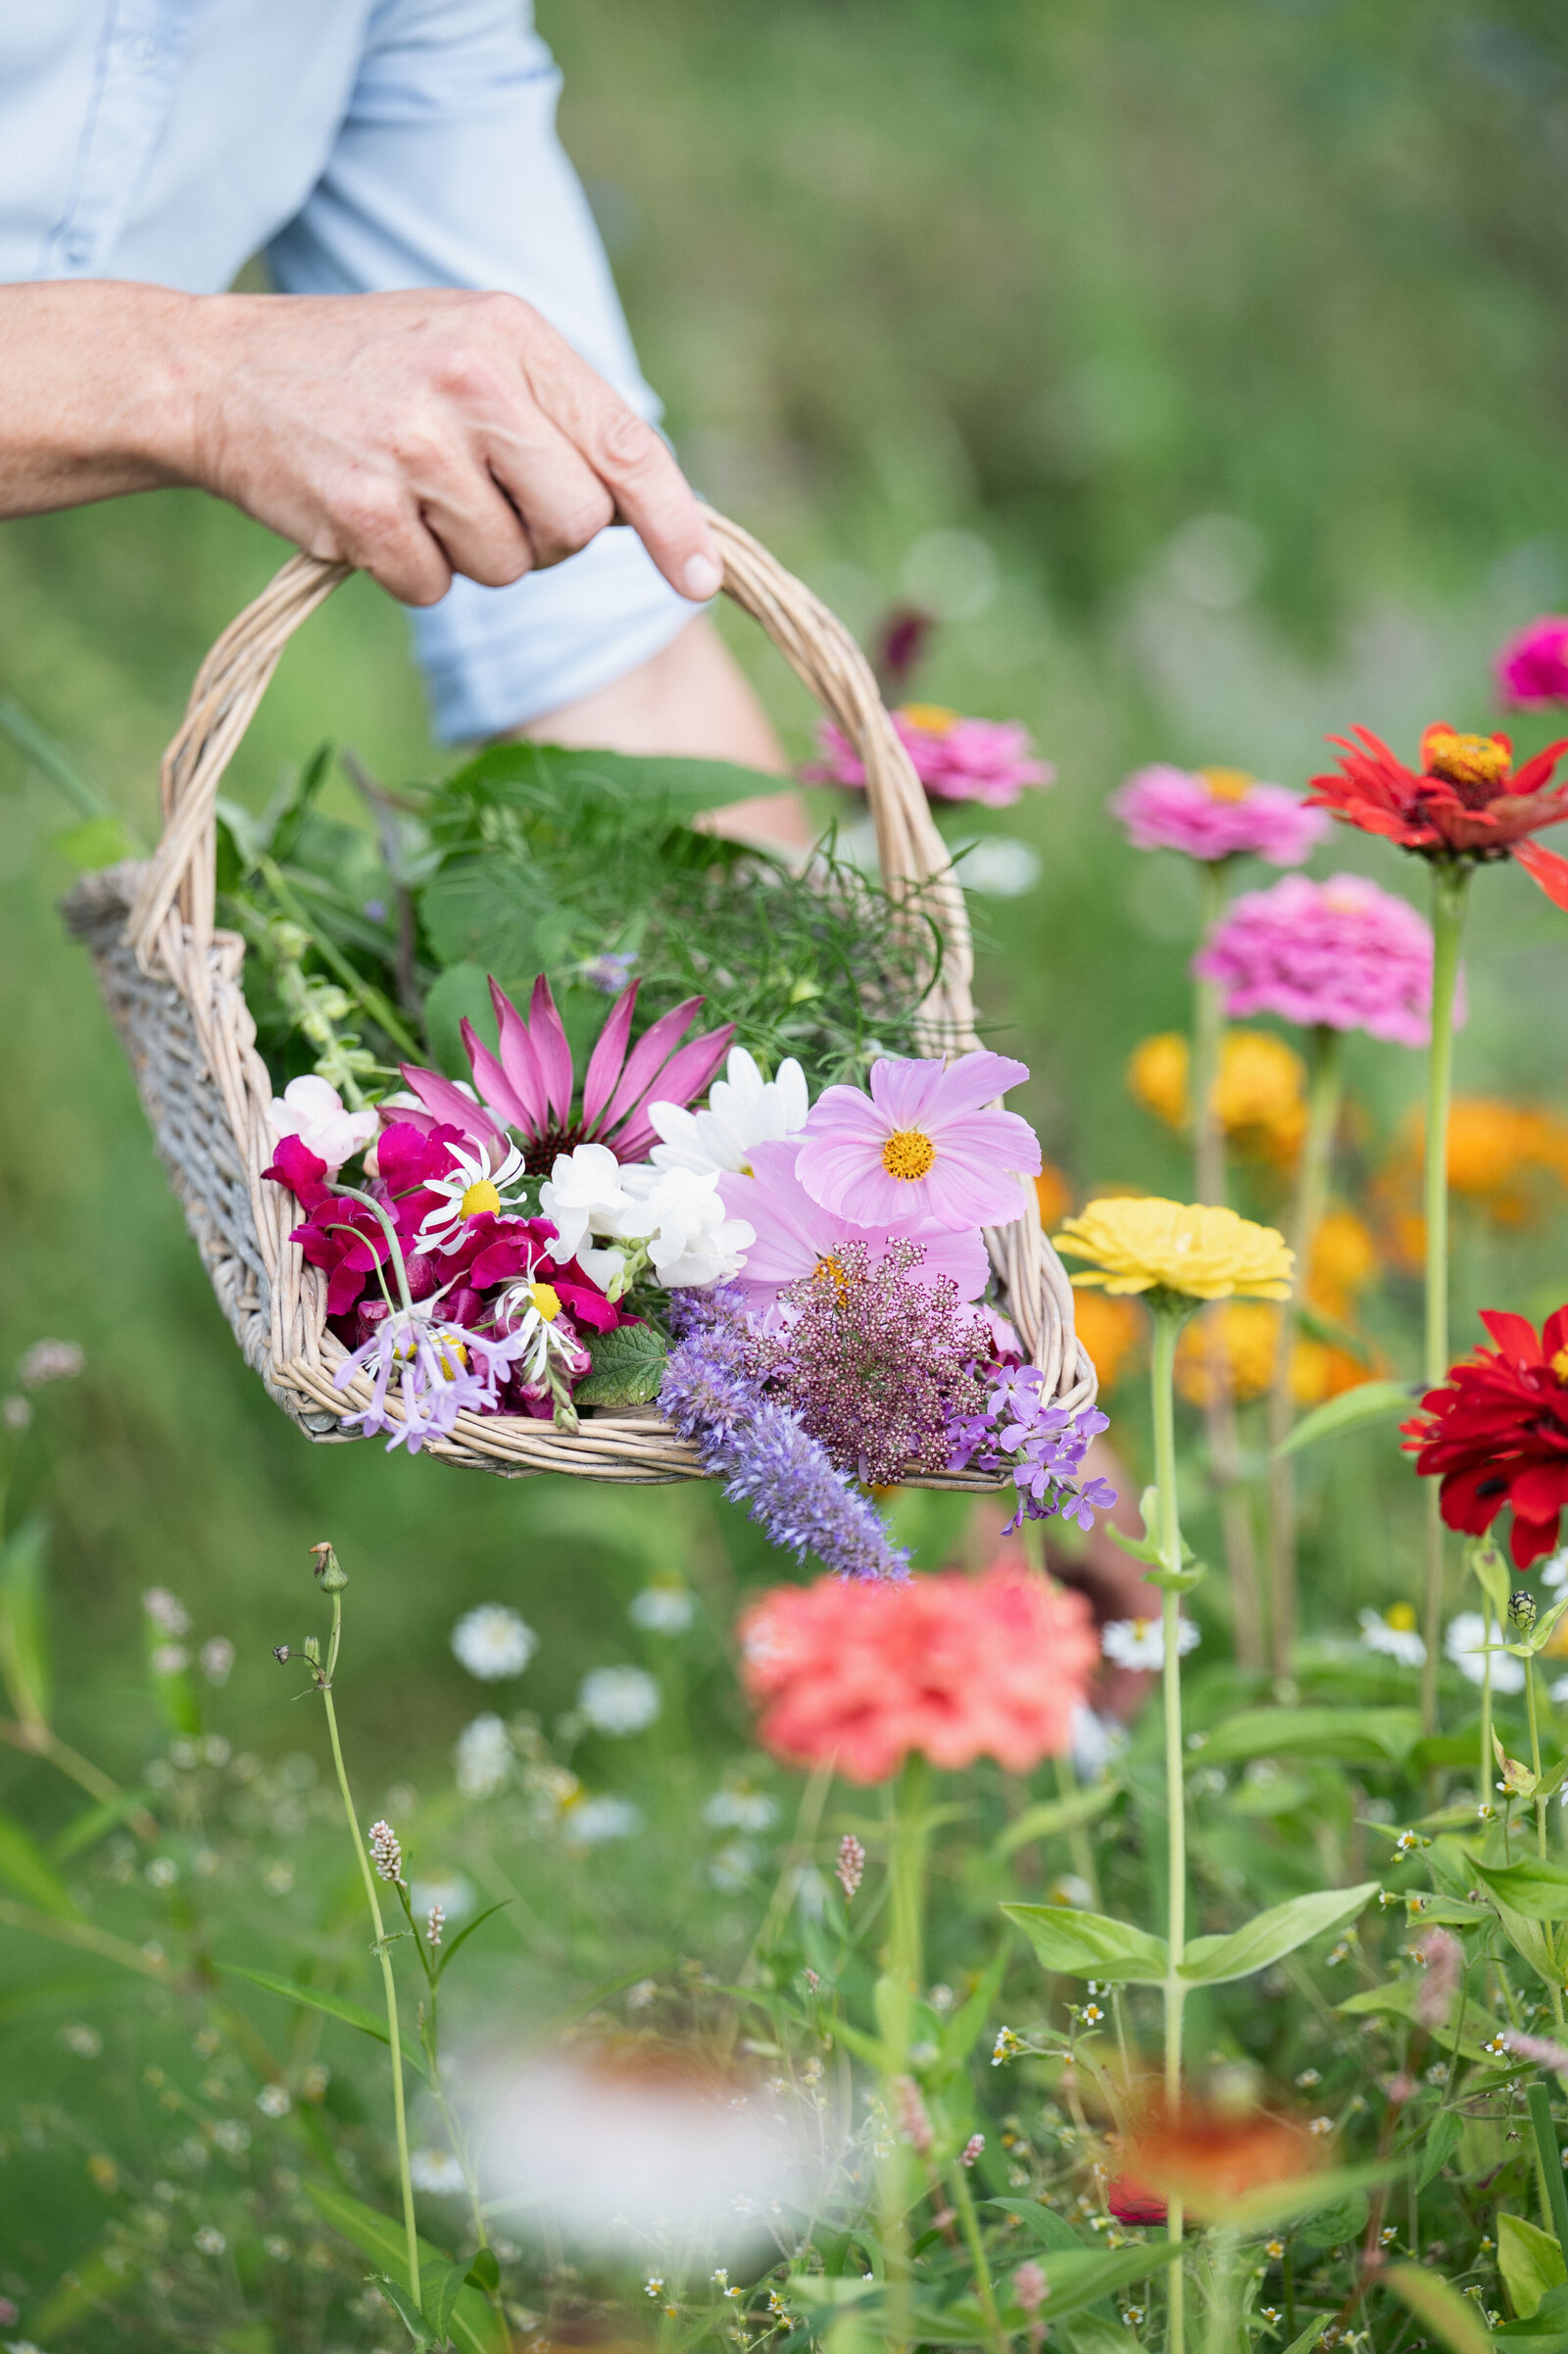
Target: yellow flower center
[(480, 1198), (1226, 784), (451, 1356), (547, 1300), (1400, 1617), (1560, 1366), (908, 1154), (1467, 760), (931, 718)]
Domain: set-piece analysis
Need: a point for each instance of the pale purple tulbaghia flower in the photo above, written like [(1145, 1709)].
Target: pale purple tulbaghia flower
[(1217, 814), (1531, 668), (441, 1370), (1538, 2048), (923, 1144), (989, 760), (1444, 1956), (1342, 954)]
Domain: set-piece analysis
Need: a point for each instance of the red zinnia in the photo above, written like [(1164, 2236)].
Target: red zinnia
[(1496, 1433), (1467, 801)]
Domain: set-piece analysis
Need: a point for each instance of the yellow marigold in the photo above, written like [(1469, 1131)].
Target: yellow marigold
[(1502, 1156), (1157, 1077), (1345, 1259), (1055, 1193), (1142, 1244), (1111, 1330), (1319, 1372), (1260, 1093), (1487, 1141), (1248, 1331)]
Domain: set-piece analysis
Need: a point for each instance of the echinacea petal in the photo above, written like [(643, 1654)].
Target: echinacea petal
[(684, 1075), (449, 1103), (646, 1060), (495, 1088), (519, 1062), (553, 1053), (609, 1056)]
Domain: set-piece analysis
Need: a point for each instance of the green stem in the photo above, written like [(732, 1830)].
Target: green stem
[(1488, 1767), (1538, 2100), (1208, 1038), (364, 991), (389, 1984), (969, 2224), (1534, 1756), (1451, 886), (907, 1836), (1306, 1215), (1168, 1321)]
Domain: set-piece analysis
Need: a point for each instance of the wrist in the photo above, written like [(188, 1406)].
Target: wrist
[(171, 370)]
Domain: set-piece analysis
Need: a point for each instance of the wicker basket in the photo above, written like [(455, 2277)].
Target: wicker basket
[(172, 984)]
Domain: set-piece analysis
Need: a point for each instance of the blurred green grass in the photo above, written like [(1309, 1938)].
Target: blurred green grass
[(1225, 346)]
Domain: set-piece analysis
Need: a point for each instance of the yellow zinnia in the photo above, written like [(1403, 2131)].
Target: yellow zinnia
[(1144, 1244)]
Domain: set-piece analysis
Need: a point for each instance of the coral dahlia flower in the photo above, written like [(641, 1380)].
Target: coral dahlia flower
[(1209, 2157), (1496, 1433), (531, 1087), (923, 1144), (1140, 1244), (1466, 801), (951, 1667)]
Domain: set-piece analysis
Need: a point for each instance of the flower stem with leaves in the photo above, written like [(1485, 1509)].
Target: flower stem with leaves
[(1170, 1313)]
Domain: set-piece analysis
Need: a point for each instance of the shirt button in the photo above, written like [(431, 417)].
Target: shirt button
[(79, 251), (142, 53)]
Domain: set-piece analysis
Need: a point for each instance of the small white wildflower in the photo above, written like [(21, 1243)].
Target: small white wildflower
[(50, 1361), (483, 1757), (217, 1659), (492, 1642), (435, 2170), (167, 1612), (85, 2041), (1465, 1644), (1394, 1633), (664, 1607), (272, 2102), (594, 1822), (210, 2240), (739, 1809), (169, 1658), (619, 1700), (163, 1872), (1140, 1643)]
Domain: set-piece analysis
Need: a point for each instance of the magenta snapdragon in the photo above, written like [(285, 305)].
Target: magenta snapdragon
[(1212, 814), (1342, 954)]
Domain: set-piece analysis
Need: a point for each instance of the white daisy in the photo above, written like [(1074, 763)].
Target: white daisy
[(743, 1110), (1464, 1643), (1394, 1633), (493, 1642), (665, 1608), (467, 1191), (1095, 1741), (435, 2170), (620, 1699), (482, 1757), (1140, 1642), (528, 1312)]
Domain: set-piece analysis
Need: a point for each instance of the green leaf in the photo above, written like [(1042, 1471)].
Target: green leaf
[(628, 1367), (1091, 1944), (1051, 2230), (1545, 1627), (1056, 1815), (476, 2328), (1535, 1887), (402, 2303), (1332, 2225), (1369, 1401), (485, 2272), (97, 842), (1491, 1573), (465, 1933), (1530, 2261), (461, 993), (335, 2006), (1277, 2204), (959, 2033), (24, 1867), (1347, 1736), (1397, 2000), (1211, 1961), (1081, 2279), (679, 788), (1432, 2300), (1438, 2146), (441, 2298), (23, 1637)]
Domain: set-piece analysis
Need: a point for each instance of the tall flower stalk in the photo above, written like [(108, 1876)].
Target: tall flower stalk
[(1306, 1215), (1170, 1313), (907, 1832), (1450, 893)]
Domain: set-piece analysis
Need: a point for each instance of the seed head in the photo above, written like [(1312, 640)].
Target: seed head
[(329, 1575), (280, 1653)]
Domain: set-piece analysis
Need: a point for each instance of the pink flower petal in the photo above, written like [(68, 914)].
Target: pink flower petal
[(550, 1047), (684, 1075), (970, 1083), (519, 1062), (646, 1059), (449, 1103), (497, 1091), (608, 1057)]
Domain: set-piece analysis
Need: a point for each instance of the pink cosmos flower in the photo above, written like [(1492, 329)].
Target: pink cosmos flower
[(923, 1144), (1342, 952), (989, 760), (953, 1667), (1533, 668), (794, 1234), (1216, 813), (531, 1087)]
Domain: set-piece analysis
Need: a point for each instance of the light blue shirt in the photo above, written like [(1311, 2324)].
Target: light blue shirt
[(360, 145)]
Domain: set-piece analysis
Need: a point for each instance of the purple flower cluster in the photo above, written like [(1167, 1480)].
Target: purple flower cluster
[(877, 1366), (441, 1369), (1042, 1445), (767, 1461)]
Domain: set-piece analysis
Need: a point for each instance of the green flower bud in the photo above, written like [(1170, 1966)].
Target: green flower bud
[(312, 1650), (328, 1575), (1522, 1611)]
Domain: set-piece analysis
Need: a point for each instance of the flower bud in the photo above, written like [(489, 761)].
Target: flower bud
[(330, 1576), (1522, 1611), (312, 1650)]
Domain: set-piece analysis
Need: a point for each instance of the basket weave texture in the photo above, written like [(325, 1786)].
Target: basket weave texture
[(171, 982)]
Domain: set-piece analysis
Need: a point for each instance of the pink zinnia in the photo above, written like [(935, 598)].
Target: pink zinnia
[(1343, 954), (953, 1667), (794, 1234), (921, 1145), (1216, 813), (989, 760), (1533, 668)]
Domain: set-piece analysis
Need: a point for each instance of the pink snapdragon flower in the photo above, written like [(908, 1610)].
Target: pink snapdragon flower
[(1531, 668), (312, 1110), (1342, 954), (1216, 813), (922, 1144), (989, 760), (795, 1235)]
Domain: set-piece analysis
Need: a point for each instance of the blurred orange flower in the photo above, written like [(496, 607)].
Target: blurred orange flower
[(1157, 1076), (1319, 1371), (1260, 1093), (1112, 1330), (1053, 1188), (1248, 1331), (1345, 1259), (1211, 2157), (1503, 1156)]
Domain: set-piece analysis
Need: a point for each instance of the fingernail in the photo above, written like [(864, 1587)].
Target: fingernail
[(702, 579)]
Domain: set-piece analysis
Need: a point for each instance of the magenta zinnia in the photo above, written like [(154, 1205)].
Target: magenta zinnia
[(1533, 668), (1341, 955), (530, 1088), (989, 760), (1213, 813), (926, 1143)]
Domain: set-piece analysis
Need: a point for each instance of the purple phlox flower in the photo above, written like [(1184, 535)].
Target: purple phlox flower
[(441, 1370), (1213, 813), (1343, 955), (1094, 1496), (1023, 1432), (1533, 666)]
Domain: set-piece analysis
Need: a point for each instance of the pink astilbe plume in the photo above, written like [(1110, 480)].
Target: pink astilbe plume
[(926, 1143), (1216, 813), (530, 1087), (1344, 953), (951, 1667), (989, 760)]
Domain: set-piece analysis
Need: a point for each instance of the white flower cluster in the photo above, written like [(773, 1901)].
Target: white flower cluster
[(675, 1216)]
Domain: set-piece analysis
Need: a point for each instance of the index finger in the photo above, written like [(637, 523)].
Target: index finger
[(634, 464)]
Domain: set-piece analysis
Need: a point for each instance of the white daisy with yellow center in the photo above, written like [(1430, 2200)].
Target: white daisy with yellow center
[(470, 1188), (1395, 1634), (528, 1312)]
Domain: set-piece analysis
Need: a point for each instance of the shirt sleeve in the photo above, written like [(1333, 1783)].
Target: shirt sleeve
[(446, 171)]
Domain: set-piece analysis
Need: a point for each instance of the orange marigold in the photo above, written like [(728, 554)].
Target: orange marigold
[(1260, 1093), (1112, 1330), (1248, 1332)]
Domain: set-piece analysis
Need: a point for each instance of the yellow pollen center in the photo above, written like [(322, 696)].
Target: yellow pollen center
[(931, 718), (908, 1154), (1226, 784), (1467, 760), (1400, 1617), (547, 1300), (1560, 1366), (452, 1358), (480, 1198)]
